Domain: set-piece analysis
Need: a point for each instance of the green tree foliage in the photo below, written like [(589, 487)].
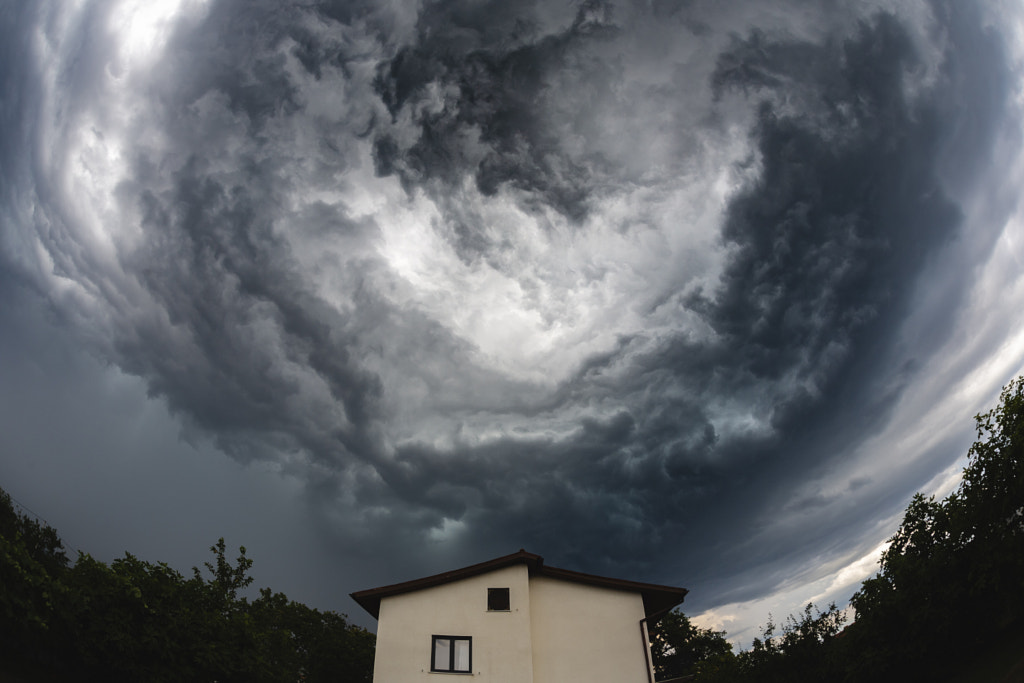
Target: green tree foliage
[(678, 648), (990, 504), (950, 580), (32, 563), (804, 651), (227, 579), (137, 621), (133, 620), (317, 644)]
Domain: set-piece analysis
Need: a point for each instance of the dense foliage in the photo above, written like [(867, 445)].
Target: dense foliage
[(133, 620), (951, 579), (678, 648), (798, 652), (949, 588)]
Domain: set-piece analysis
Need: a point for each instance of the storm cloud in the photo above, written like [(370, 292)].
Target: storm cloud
[(645, 288)]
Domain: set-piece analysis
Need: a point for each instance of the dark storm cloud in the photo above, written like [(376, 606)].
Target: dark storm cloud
[(478, 82), (828, 241), (849, 206), (218, 271), (248, 284), (846, 209)]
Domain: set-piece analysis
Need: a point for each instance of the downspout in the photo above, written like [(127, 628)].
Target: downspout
[(645, 635)]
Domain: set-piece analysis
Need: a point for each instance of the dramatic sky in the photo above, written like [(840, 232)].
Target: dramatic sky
[(682, 291)]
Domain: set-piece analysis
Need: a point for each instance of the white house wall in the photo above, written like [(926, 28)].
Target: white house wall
[(586, 634), (556, 631), (501, 640)]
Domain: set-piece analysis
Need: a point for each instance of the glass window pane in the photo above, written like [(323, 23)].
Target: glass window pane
[(497, 599), (441, 654), (461, 655)]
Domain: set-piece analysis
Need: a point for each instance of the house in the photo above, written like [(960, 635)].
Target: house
[(514, 619)]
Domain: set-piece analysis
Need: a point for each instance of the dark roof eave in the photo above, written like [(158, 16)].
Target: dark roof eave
[(658, 600), (370, 599)]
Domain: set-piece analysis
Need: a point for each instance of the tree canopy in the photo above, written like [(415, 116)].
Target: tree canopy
[(679, 648), (950, 580), (134, 620)]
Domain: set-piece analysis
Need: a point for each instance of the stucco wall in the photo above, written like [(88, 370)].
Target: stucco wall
[(501, 640), (585, 634)]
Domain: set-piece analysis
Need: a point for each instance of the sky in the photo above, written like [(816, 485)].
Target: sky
[(678, 291)]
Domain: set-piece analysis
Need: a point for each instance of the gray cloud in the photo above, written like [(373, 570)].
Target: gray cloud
[(607, 281)]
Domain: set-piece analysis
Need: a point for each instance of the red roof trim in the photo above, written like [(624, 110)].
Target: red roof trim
[(658, 600)]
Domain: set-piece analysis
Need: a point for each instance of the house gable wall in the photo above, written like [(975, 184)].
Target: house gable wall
[(502, 648), (585, 634)]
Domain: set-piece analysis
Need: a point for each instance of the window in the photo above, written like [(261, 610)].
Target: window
[(497, 600), (452, 653)]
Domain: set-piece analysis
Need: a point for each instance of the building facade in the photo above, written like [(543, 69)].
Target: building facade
[(515, 620)]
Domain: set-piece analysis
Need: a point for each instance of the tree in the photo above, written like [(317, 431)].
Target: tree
[(804, 651), (227, 580), (950, 579), (129, 621), (134, 620), (990, 502), (678, 647), (310, 644), (32, 566)]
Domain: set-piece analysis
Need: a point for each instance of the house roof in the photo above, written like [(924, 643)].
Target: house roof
[(658, 600)]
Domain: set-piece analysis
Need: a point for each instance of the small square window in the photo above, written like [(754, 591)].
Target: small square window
[(452, 653), (498, 600)]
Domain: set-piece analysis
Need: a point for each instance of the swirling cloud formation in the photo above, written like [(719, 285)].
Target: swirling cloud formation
[(630, 284)]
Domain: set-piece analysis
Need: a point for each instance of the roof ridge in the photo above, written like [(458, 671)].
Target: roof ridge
[(658, 599)]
